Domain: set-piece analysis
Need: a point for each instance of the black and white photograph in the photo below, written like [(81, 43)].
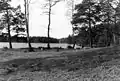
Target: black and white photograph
[(59, 40)]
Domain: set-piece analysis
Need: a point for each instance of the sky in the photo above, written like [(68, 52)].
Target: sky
[(60, 23)]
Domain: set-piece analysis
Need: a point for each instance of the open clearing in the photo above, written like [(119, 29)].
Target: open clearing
[(99, 64)]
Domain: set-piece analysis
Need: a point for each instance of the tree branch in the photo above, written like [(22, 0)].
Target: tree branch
[(55, 2)]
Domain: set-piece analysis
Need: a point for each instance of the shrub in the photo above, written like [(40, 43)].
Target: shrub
[(69, 47), (5, 47)]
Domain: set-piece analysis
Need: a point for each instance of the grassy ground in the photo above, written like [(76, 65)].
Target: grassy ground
[(66, 65)]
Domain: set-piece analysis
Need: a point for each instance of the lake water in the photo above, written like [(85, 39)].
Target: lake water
[(24, 45)]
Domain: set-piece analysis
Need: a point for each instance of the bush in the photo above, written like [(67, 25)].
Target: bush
[(69, 47), (5, 47)]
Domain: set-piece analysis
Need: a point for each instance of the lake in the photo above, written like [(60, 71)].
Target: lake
[(24, 45)]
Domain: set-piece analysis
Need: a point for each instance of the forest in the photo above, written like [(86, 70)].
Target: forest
[(96, 23), (23, 39)]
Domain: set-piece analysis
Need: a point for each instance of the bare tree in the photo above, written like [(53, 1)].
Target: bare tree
[(49, 5), (72, 11), (26, 3)]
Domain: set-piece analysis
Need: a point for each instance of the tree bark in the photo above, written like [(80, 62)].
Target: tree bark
[(9, 35)]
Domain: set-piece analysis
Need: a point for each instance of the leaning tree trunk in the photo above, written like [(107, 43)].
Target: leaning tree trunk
[(9, 35)]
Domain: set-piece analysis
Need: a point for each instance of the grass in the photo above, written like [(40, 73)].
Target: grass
[(84, 59), (65, 62)]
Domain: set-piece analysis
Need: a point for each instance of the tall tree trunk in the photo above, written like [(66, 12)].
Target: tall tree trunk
[(107, 32), (90, 31), (73, 38), (107, 29), (27, 23), (49, 23), (114, 36), (74, 41), (9, 35)]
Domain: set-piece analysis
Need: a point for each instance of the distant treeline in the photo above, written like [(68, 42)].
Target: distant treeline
[(34, 39), (65, 40)]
